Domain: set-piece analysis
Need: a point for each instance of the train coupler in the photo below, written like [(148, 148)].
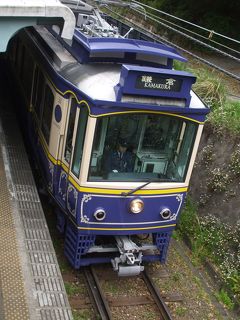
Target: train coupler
[(130, 259)]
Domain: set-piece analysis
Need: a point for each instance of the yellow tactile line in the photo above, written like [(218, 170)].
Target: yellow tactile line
[(12, 283)]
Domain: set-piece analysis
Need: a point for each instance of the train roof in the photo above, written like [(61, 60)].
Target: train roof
[(100, 81), (120, 47), (87, 49), (120, 82)]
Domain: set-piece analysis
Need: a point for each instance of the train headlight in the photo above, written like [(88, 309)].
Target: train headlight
[(100, 214), (165, 213), (136, 206)]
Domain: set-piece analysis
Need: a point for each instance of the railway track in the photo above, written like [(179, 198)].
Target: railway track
[(96, 294), (103, 304), (163, 310)]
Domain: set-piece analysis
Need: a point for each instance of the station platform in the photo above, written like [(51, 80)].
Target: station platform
[(31, 285)]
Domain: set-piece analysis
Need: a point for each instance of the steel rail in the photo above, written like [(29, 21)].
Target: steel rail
[(96, 293), (162, 307)]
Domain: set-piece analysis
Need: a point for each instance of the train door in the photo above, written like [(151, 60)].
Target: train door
[(45, 127), (72, 156)]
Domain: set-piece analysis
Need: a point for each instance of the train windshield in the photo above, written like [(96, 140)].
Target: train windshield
[(140, 147)]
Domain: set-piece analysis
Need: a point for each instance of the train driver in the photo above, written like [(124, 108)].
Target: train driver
[(120, 160)]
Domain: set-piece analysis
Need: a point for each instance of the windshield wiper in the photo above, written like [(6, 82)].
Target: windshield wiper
[(140, 187), (145, 184)]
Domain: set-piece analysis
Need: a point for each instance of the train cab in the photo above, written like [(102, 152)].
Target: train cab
[(158, 146)]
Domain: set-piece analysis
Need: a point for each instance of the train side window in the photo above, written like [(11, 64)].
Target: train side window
[(78, 150), (39, 94), (69, 138), (27, 74), (185, 148), (35, 83), (47, 112)]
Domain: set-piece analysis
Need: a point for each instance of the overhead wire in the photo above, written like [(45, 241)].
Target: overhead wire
[(164, 40), (189, 31), (197, 40), (185, 21)]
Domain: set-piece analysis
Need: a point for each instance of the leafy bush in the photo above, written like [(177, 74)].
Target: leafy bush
[(226, 117), (209, 88), (225, 113), (188, 223), (214, 240), (234, 165), (223, 297), (218, 180)]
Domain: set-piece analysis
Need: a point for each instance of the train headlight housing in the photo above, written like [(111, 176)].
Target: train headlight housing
[(100, 214), (136, 206), (165, 213)]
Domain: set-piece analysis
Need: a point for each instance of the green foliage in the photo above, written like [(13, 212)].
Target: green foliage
[(209, 88), (225, 113), (211, 239), (73, 289), (181, 311), (223, 297), (226, 117), (208, 154), (218, 180), (189, 221), (178, 65), (82, 315), (234, 281), (234, 165), (112, 286)]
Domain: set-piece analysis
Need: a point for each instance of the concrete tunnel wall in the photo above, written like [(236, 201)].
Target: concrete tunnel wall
[(24, 13)]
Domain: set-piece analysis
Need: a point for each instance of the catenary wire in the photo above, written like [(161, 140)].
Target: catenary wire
[(163, 40), (189, 31), (197, 41), (190, 23)]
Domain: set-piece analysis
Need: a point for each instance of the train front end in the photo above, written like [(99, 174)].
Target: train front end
[(132, 154), (142, 134)]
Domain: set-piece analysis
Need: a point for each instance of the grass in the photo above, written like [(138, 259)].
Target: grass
[(149, 315), (220, 243), (224, 298), (82, 315), (226, 117), (64, 264), (225, 113), (176, 276), (73, 289), (210, 88), (181, 311), (111, 286)]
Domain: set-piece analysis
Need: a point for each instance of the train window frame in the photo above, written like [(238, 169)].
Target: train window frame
[(73, 104), (38, 94), (34, 86), (77, 154), (27, 75), (171, 169), (47, 111)]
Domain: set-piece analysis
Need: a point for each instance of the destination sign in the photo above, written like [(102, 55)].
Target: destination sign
[(158, 82)]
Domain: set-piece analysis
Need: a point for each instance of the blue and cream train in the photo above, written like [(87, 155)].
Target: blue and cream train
[(81, 99)]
